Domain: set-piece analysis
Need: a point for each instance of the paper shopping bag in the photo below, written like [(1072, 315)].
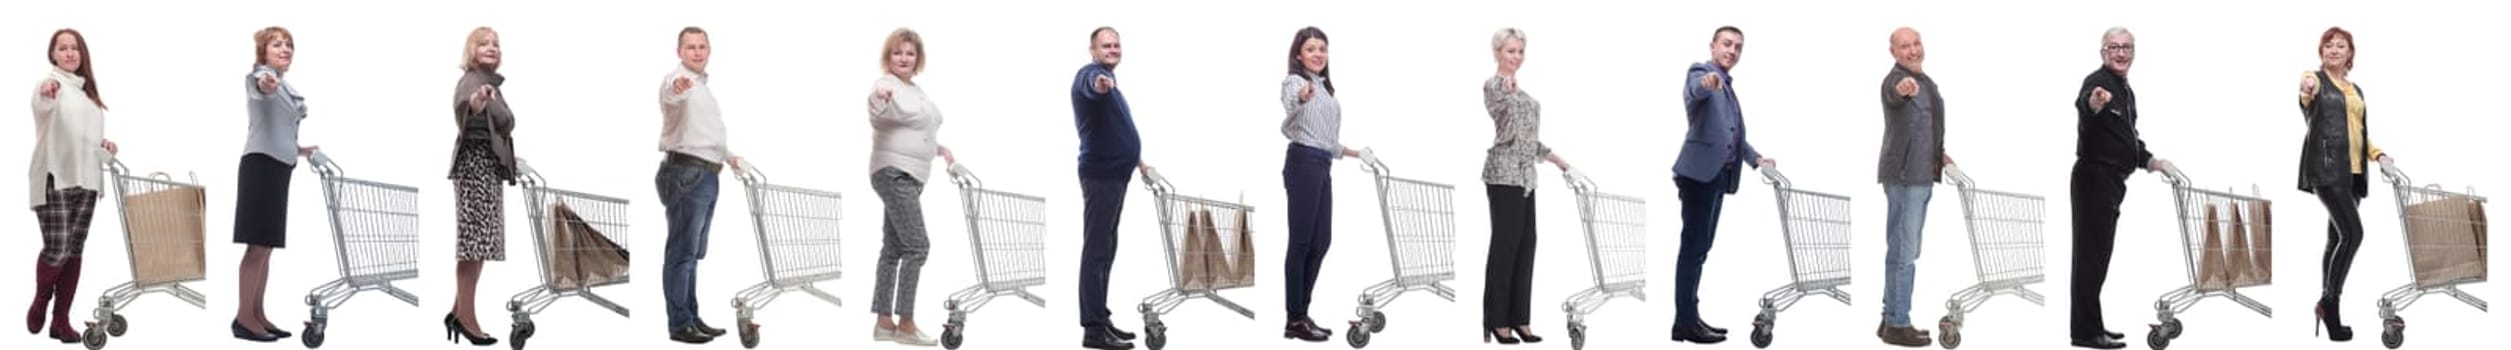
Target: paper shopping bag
[(165, 232), (1246, 251), (2441, 237), (2210, 264), (2262, 240), (1194, 271), (2237, 262)]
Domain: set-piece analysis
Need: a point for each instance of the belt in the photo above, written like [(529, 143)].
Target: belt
[(683, 159)]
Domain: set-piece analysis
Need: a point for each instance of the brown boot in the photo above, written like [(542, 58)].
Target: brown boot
[(44, 276), (1904, 336), (65, 291)]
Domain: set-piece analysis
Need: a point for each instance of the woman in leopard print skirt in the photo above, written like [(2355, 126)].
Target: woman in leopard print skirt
[(483, 161)]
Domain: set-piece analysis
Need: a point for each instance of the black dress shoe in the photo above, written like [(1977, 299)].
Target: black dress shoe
[(240, 332), (1305, 330), (281, 333), (710, 331), (1697, 334), (1713, 329), (1105, 340), (2113, 335), (1120, 333), (2099, 343), (691, 334)]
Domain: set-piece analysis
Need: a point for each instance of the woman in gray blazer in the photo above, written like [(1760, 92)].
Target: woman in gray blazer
[(261, 190)]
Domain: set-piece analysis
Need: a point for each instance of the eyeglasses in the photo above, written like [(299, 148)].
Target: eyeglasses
[(2120, 47)]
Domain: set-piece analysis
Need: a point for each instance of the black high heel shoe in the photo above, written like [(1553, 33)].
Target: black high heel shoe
[(1489, 335), (237, 328), (453, 326), (1525, 335), (2323, 318)]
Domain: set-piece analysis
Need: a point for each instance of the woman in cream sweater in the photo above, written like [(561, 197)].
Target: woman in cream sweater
[(66, 175), (905, 126)]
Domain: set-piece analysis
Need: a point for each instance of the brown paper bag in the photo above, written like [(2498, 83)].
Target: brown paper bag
[(1217, 259), (1193, 268), (2442, 239), (2210, 264), (1246, 251), (2476, 212), (2237, 262), (165, 229), (2262, 240), (579, 255)]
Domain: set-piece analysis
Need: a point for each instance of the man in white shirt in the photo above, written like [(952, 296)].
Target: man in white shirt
[(694, 155)]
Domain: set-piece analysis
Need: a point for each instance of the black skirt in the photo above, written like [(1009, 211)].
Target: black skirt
[(261, 201)]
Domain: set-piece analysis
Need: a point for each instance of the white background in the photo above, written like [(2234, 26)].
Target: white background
[(2216, 81)]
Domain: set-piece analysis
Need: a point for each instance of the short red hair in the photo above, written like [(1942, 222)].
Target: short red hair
[(2331, 35)]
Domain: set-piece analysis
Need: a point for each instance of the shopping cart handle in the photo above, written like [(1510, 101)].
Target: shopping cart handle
[(1578, 182), (1369, 162), (1954, 175), (749, 173), (2173, 176), (1770, 175), (1151, 179), (959, 174), (2395, 176)]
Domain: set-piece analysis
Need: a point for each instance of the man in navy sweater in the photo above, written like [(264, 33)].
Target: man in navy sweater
[(1110, 153)]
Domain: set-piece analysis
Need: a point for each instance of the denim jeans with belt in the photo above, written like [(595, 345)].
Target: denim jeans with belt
[(1903, 226), (688, 196)]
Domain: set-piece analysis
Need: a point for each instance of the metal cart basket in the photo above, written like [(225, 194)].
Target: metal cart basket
[(1617, 250), (2005, 248), (162, 224), (604, 214), (1007, 232), (2445, 247), (1179, 225), (798, 245), (375, 232), (1420, 220), (2214, 265), (1816, 228)]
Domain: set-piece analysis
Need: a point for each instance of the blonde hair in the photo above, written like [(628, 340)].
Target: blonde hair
[(904, 36), (1504, 35), (261, 43), (471, 48)]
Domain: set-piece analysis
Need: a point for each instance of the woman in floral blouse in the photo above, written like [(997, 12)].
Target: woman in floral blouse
[(1508, 176)]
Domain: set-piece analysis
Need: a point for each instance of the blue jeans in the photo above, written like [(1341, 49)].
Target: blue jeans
[(1702, 203), (1102, 203), (1904, 224), (688, 196), (1307, 176)]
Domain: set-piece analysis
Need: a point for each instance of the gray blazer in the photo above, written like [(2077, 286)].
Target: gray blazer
[(274, 117), (1717, 130), (1913, 132)]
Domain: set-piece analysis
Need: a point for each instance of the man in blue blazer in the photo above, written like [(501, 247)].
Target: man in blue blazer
[(1709, 169)]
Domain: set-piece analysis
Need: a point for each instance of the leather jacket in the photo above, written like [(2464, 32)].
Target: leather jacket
[(2327, 153)]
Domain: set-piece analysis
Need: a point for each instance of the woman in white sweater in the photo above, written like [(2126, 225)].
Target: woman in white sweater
[(905, 126), (65, 176)]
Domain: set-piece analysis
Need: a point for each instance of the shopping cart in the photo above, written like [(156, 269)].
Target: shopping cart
[(1177, 224), (1617, 249), (2459, 247), (608, 215), (163, 238), (1816, 227), (1420, 220), (375, 233), (2005, 248), (1008, 233), (2199, 225), (798, 245)]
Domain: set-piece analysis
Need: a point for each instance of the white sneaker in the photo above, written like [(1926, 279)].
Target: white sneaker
[(884, 334), (911, 339)]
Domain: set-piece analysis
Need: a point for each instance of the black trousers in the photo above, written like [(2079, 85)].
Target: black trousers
[(1508, 282), (2094, 192), (1102, 203), (2345, 236)]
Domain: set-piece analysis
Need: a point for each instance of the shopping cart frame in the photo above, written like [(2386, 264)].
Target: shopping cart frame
[(973, 196), (331, 295), (110, 303), (1979, 208), (1378, 296), (539, 297), (1594, 207), (2393, 327), (1785, 297), (2179, 300), (1153, 306), (749, 301)]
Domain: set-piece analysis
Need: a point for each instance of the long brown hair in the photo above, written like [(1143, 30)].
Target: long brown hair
[(86, 66)]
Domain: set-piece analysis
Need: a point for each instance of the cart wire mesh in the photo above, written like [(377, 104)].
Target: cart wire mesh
[(2225, 221), (1617, 245), (375, 232), (163, 239), (2006, 242), (1420, 221), (2445, 246), (1176, 215), (604, 214), (1816, 230), (798, 239), (1008, 233)]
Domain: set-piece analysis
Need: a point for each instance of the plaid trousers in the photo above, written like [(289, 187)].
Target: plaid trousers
[(65, 216)]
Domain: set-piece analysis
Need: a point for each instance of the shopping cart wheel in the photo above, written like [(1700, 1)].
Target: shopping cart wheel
[(118, 325), (1358, 338), (1377, 322), (1761, 325), (522, 331), (749, 334), (2157, 339), (313, 336), (1760, 337), (1950, 333), (950, 335), (2173, 328), (1577, 336), (2393, 332), (1155, 336), (93, 340)]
